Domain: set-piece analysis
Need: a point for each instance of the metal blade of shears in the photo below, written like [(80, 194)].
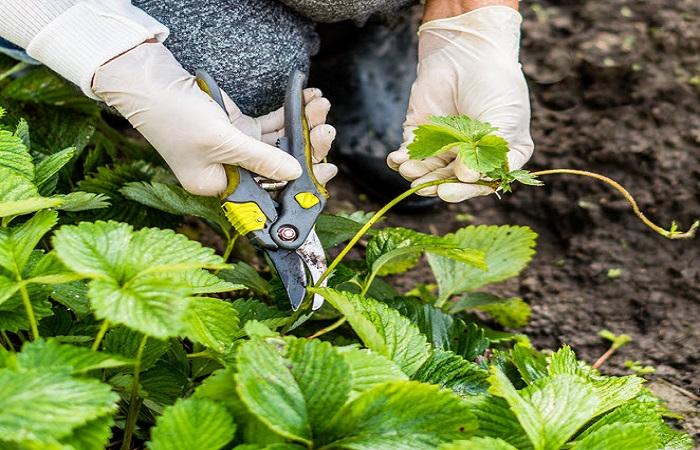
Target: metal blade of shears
[(291, 270), (314, 258), (296, 267)]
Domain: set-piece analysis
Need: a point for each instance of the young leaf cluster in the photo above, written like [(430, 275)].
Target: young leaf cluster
[(474, 144)]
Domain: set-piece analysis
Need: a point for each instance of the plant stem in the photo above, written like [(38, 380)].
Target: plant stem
[(202, 354), (368, 282), (6, 338), (604, 357), (329, 328), (362, 231), (100, 335), (30, 311), (375, 218), (134, 401), (229, 247), (670, 234), (16, 68)]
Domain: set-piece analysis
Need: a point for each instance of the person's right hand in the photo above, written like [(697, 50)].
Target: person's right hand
[(193, 134)]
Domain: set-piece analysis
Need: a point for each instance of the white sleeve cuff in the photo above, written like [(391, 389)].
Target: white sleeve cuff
[(89, 34)]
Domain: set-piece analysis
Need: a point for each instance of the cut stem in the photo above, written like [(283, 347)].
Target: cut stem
[(134, 401), (360, 234), (100, 335), (29, 309), (670, 234)]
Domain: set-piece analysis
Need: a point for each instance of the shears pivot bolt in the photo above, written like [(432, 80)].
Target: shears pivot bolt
[(287, 233)]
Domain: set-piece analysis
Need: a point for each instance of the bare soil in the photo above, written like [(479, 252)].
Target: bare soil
[(615, 89)]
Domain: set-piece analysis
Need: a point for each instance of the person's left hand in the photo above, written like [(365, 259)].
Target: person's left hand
[(467, 65)]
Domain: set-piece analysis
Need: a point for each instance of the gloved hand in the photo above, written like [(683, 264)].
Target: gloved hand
[(467, 65), (193, 134)]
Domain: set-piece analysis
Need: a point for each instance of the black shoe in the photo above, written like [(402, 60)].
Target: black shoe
[(367, 74)]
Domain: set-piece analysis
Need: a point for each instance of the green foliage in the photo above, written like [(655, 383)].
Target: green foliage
[(109, 182), (27, 186), (308, 382), (443, 330), (475, 145), (135, 341), (369, 369)]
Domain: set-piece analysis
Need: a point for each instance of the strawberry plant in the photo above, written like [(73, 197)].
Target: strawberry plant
[(484, 152), (115, 333)]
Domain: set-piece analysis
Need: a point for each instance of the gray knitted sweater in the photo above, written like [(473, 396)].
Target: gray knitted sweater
[(250, 46)]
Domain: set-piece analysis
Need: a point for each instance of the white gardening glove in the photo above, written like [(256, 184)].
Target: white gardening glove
[(467, 65), (193, 134)]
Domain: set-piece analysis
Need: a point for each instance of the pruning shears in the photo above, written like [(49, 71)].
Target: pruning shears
[(282, 222)]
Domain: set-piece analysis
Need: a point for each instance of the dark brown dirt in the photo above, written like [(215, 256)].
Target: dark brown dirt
[(615, 89)]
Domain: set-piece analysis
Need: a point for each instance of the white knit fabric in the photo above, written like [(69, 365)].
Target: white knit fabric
[(76, 37)]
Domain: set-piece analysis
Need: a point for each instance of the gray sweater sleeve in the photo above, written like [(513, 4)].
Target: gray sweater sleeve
[(248, 46), (338, 10)]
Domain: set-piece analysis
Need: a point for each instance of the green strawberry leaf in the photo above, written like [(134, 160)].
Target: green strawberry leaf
[(508, 250), (381, 328), (400, 415), (212, 322), (496, 420), (483, 155), (45, 406), (612, 391), (17, 243), (451, 371), (47, 169), (109, 181), (125, 342), (478, 443), (531, 364), (142, 279), (93, 435), (335, 229), (175, 200), (50, 355), (82, 201), (305, 382), (249, 310), (476, 146), (368, 369), (396, 250), (181, 427), (630, 436), (550, 411)]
